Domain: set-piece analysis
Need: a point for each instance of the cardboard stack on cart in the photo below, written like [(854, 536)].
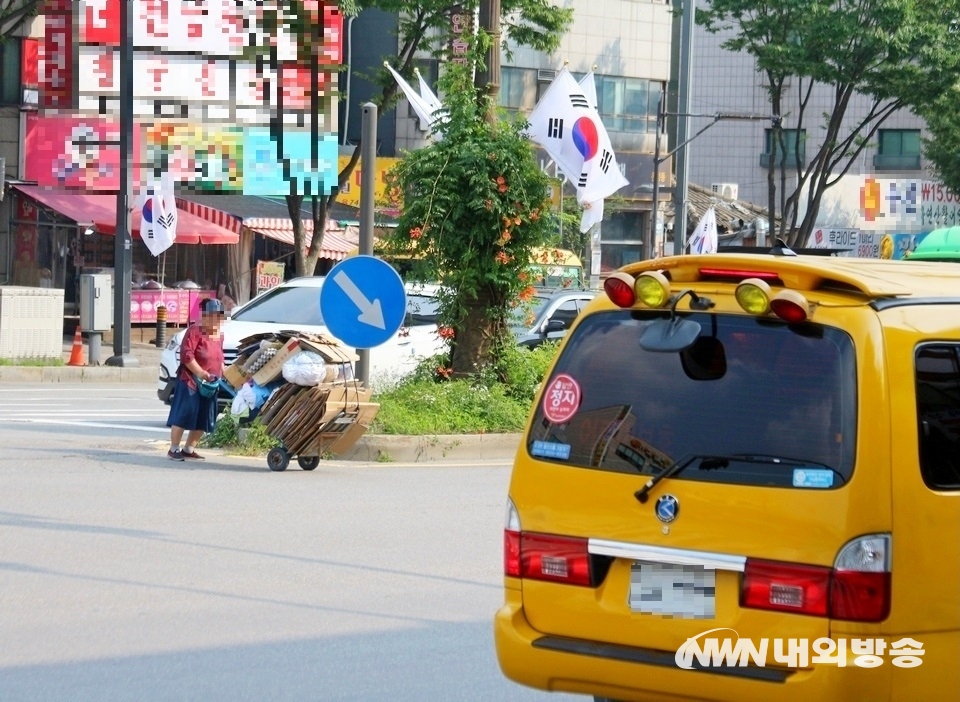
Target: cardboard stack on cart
[(326, 419)]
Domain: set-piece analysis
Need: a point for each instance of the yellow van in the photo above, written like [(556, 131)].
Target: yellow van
[(741, 481)]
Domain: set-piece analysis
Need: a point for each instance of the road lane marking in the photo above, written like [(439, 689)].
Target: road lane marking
[(99, 425)]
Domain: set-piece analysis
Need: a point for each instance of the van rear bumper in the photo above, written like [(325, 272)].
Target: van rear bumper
[(621, 672)]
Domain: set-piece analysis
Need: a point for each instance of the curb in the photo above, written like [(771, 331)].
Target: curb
[(78, 374), (382, 448)]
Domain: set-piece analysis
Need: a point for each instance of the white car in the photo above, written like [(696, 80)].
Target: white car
[(295, 306)]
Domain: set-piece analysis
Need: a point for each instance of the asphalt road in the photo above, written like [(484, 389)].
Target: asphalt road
[(110, 409), (126, 576)]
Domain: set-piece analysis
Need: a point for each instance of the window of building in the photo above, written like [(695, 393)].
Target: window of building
[(628, 104), (938, 414), (518, 88), (10, 83), (898, 150), (790, 139)]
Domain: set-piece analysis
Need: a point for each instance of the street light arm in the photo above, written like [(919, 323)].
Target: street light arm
[(725, 117)]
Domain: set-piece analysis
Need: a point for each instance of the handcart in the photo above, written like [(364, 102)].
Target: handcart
[(311, 422)]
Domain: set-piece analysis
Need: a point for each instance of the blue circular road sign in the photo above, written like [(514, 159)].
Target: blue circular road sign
[(362, 301)]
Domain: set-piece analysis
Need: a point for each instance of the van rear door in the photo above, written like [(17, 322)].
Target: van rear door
[(762, 418)]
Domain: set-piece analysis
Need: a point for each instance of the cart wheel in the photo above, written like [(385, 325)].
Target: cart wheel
[(308, 462), (278, 459)]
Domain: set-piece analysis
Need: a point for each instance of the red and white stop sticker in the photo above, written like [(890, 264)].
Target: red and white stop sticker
[(561, 399)]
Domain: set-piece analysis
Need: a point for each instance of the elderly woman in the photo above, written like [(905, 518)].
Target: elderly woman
[(201, 358)]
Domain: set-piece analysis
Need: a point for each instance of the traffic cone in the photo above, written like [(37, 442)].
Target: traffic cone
[(76, 353)]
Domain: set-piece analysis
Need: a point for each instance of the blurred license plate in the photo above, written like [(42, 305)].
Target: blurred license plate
[(684, 592)]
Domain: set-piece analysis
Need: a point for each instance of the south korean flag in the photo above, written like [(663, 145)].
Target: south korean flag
[(568, 127)]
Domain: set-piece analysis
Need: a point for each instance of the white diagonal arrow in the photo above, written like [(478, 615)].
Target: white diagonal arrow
[(370, 312)]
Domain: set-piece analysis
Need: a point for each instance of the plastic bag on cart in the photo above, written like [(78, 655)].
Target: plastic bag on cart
[(244, 402), (306, 368)]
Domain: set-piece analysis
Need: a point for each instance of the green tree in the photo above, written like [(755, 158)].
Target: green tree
[(424, 29), (881, 56), (475, 205), (14, 14), (942, 149)]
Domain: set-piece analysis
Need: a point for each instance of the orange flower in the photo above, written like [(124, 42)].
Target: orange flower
[(445, 332), (516, 221), (502, 257), (502, 184), (523, 276), (416, 233), (445, 372), (527, 293), (535, 215)]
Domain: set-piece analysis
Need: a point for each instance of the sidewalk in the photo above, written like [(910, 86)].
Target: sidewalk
[(377, 448), (146, 371)]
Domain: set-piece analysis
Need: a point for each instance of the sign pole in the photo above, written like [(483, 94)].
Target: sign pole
[(368, 166), (123, 244)]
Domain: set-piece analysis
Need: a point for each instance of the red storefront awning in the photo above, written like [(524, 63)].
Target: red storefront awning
[(100, 212), (335, 246)]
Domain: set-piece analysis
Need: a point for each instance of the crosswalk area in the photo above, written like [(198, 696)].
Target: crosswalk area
[(112, 408)]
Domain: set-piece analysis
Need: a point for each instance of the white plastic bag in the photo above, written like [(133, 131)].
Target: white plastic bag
[(244, 401), (305, 368)]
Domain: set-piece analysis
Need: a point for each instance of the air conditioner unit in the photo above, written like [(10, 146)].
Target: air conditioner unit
[(728, 191), (546, 75)]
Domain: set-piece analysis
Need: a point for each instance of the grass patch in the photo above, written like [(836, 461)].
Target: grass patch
[(249, 440), (458, 407), (32, 362), (422, 405)]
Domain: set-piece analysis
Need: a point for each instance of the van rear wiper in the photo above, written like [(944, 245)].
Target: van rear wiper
[(676, 467)]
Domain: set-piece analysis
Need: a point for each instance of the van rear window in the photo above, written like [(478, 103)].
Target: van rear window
[(752, 401)]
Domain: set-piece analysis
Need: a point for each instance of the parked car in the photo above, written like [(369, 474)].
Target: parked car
[(741, 481), (549, 315), (295, 305)]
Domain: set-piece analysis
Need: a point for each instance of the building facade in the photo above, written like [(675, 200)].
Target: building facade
[(888, 190), (628, 46)]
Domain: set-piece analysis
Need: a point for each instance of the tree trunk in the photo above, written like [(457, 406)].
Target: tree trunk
[(476, 336), (319, 211), (294, 202)]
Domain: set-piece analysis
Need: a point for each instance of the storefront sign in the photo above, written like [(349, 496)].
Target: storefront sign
[(269, 275), (253, 71)]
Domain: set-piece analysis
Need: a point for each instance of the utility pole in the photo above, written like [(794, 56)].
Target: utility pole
[(683, 128), (650, 235), (488, 79), (123, 242)]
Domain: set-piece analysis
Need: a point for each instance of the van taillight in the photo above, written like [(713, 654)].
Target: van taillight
[(561, 559), (511, 553), (860, 597), (857, 588), (785, 587), (860, 590), (556, 558)]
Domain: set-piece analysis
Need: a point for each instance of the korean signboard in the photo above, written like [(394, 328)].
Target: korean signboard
[(269, 275), (230, 95)]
